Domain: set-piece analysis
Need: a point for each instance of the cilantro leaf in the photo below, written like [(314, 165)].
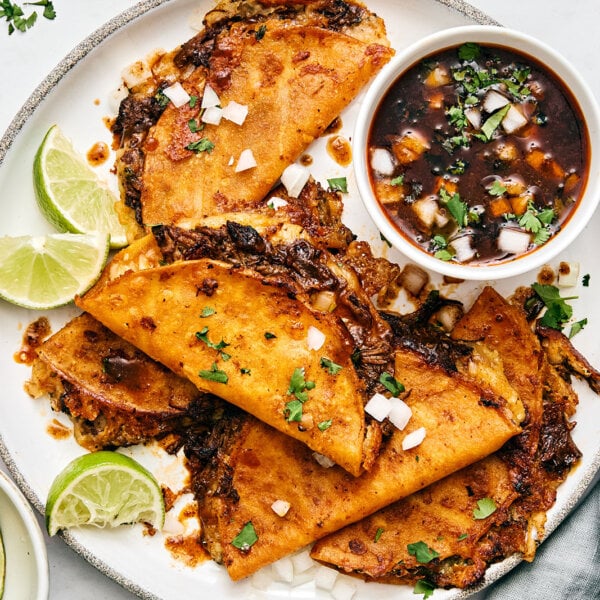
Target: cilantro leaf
[(201, 145), (485, 508), (558, 312), (390, 383), (497, 188), (324, 425), (203, 337), (457, 208), (293, 410), (338, 184), (493, 122), (469, 51), (207, 311), (332, 368), (577, 327), (422, 552), (424, 587), (378, 534), (298, 387), (397, 180), (246, 538), (214, 374)]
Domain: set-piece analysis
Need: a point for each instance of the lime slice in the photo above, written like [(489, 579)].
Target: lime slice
[(105, 489), (2, 566), (42, 272), (70, 194)]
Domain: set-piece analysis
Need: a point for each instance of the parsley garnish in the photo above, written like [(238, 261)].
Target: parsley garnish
[(558, 312), (338, 184), (214, 374), (485, 508), (332, 368), (16, 19), (422, 552), (201, 145), (390, 383), (246, 538)]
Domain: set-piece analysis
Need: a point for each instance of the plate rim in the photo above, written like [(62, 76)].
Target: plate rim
[(29, 107)]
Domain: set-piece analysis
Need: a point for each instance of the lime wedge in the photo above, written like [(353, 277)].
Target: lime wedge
[(42, 272), (70, 194), (2, 566), (105, 489)]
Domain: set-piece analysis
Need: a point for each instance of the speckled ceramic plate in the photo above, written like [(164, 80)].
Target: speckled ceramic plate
[(77, 95)]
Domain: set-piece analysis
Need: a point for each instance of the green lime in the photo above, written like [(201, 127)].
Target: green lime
[(105, 489), (42, 272), (2, 566), (70, 194)]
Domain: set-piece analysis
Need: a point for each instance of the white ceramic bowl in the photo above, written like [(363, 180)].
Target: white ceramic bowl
[(483, 35), (25, 549)]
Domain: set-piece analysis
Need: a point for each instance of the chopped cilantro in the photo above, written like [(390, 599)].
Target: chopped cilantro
[(332, 368), (558, 312), (201, 145), (299, 387), (245, 371), (469, 51), (260, 32), (162, 99), (396, 181), (269, 335), (378, 534), (485, 508), (246, 538), (577, 327), (462, 536), (390, 383), (384, 239), (424, 587), (203, 337), (458, 167), (456, 116), (422, 552), (338, 184), (13, 14), (444, 255), (585, 281), (497, 189), (293, 410), (493, 122), (324, 425), (457, 208), (214, 374), (194, 126), (193, 101), (207, 311)]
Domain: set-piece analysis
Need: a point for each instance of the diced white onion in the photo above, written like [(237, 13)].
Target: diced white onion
[(231, 161), (400, 414), (343, 589), (235, 112), (302, 562), (473, 116), (493, 101), (280, 507), (136, 73), (283, 570), (378, 407), (212, 115), (176, 94), (262, 579), (325, 578), (323, 461), (116, 97), (315, 338), (324, 301), (413, 279), (462, 247), (382, 161), (568, 274), (513, 241), (209, 98), (513, 120), (426, 210), (448, 316), (172, 526), (275, 202), (245, 161), (294, 178), (413, 439)]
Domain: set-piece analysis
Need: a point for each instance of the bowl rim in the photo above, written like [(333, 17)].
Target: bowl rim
[(521, 42), (25, 513)]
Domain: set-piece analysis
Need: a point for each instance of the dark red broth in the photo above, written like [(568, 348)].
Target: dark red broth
[(464, 176)]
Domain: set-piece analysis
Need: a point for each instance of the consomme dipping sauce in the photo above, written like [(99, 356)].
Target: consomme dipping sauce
[(478, 154)]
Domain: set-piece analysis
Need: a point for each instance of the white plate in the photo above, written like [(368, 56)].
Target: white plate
[(24, 546), (76, 95)]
